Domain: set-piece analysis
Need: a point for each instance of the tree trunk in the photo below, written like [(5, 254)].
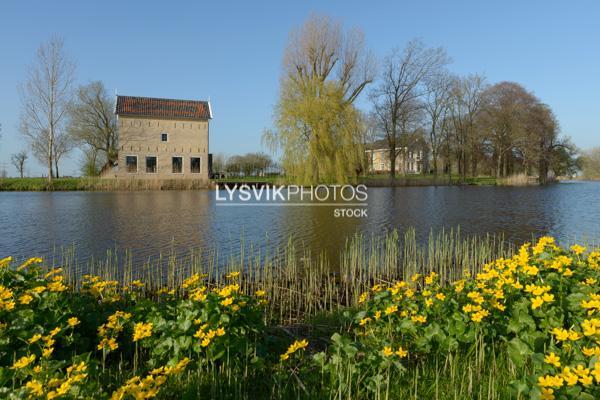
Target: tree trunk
[(393, 162), (50, 149), (543, 170)]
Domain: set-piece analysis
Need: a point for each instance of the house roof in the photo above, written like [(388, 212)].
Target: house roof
[(163, 108), (377, 145)]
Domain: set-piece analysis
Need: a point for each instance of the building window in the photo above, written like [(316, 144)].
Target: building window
[(164, 137), (151, 164), (177, 163), (195, 165), (131, 163)]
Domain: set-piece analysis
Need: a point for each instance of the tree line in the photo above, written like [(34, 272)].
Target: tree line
[(471, 127), (249, 164)]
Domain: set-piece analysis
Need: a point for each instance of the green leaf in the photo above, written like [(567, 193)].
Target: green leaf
[(518, 351)]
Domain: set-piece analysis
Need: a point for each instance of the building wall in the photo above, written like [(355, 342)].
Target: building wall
[(411, 164), (141, 137)]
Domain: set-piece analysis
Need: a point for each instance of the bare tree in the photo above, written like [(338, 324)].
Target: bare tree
[(465, 106), (321, 50), (44, 98), (18, 160), (218, 164), (436, 106), (397, 99), (63, 144), (92, 122)]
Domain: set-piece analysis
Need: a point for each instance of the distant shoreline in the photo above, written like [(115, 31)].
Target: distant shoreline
[(114, 185)]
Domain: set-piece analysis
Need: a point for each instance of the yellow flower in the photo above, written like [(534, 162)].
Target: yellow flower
[(591, 326), (142, 330), (297, 345), (25, 299), (590, 281), (479, 315), (54, 332), (35, 387), (419, 318), (430, 278), (39, 289), (577, 249), (387, 351), (573, 336), (47, 352), (23, 362), (552, 359), (57, 286), (364, 321), (220, 331), (547, 394), (73, 321), (536, 302), (569, 377), (586, 380), (591, 351), (550, 381), (401, 352), (440, 296), (5, 261), (232, 275), (363, 297), (34, 260), (228, 301), (34, 338), (560, 334), (198, 295), (109, 343), (260, 293), (391, 309), (548, 297)]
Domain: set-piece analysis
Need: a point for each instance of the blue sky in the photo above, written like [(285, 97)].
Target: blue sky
[(231, 52)]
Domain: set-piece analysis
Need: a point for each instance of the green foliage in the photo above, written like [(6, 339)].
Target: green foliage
[(522, 327), (317, 129)]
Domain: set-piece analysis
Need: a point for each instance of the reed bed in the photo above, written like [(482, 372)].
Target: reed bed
[(301, 284)]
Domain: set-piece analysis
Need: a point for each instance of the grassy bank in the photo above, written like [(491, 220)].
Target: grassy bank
[(439, 321), (98, 184), (381, 180)]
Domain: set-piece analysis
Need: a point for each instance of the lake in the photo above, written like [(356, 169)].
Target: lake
[(147, 223)]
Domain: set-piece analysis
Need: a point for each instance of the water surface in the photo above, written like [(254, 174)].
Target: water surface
[(147, 223)]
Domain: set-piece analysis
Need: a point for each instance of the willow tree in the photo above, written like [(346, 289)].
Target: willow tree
[(317, 126)]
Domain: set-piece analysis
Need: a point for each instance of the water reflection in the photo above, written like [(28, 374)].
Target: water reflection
[(153, 222)]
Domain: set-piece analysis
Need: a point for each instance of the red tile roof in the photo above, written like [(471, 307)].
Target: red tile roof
[(163, 108)]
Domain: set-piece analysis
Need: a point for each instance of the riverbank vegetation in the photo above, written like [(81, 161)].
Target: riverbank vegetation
[(98, 184), (590, 164), (453, 319)]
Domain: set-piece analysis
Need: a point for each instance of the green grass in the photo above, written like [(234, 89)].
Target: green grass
[(41, 184), (97, 184), (250, 179)]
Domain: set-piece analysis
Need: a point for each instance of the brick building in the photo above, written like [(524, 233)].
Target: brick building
[(163, 138)]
